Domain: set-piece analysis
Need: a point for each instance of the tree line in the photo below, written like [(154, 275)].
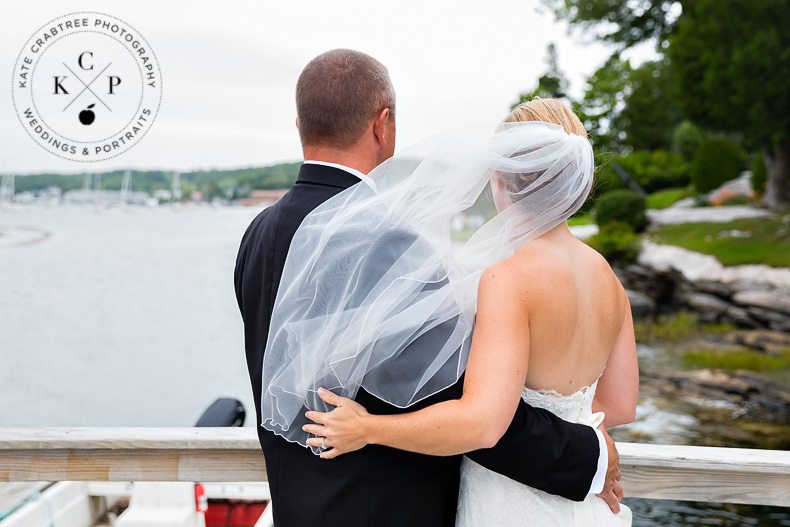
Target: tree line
[(723, 71), (228, 184)]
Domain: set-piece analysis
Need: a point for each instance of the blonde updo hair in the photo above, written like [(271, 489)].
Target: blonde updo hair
[(548, 111)]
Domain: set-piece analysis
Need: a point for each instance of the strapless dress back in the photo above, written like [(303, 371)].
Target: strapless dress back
[(490, 499)]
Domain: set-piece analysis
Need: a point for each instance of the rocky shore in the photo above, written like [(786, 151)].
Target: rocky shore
[(753, 298), (746, 393), (748, 296)]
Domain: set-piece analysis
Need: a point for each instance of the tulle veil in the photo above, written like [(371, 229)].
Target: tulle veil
[(374, 294)]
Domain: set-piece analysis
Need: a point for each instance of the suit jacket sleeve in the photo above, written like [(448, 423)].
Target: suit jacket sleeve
[(545, 452)]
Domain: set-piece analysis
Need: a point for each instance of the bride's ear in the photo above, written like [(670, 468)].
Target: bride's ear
[(497, 184), (499, 193)]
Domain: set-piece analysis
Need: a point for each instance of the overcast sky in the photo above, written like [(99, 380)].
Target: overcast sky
[(229, 70)]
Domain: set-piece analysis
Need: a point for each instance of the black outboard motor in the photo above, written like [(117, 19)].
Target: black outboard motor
[(223, 412)]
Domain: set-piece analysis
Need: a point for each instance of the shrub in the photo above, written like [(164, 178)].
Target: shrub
[(616, 241), (686, 140), (604, 180), (717, 161), (651, 170), (625, 206), (657, 170), (759, 174)]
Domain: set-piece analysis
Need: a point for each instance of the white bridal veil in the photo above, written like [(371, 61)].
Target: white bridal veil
[(375, 295)]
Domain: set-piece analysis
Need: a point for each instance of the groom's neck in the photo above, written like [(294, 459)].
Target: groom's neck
[(358, 160)]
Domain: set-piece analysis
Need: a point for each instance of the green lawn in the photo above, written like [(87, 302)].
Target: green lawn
[(582, 219), (664, 198), (761, 240)]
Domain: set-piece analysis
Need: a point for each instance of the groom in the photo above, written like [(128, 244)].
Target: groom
[(346, 120)]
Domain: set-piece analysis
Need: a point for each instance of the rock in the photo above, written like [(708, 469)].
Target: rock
[(765, 395), (718, 380), (751, 296), (639, 271), (715, 288), (746, 285), (704, 214), (684, 203), (740, 317), (783, 325), (769, 318), (661, 286), (740, 187), (753, 393), (761, 339), (696, 266), (713, 385), (707, 303), (772, 300), (780, 325), (642, 306)]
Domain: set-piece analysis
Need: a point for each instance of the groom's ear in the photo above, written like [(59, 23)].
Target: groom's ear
[(380, 129), (296, 121)]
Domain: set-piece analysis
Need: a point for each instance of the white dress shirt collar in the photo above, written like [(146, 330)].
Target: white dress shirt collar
[(365, 178)]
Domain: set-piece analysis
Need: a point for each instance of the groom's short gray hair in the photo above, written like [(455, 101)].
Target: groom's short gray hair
[(337, 95)]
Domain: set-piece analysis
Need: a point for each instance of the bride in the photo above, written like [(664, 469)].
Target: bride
[(553, 326)]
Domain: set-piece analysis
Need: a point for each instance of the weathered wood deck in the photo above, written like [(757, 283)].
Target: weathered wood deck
[(728, 475)]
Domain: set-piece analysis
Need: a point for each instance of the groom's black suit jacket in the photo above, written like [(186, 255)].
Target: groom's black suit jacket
[(379, 486)]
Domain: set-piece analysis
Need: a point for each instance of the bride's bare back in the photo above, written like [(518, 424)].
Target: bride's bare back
[(553, 316), (576, 310)]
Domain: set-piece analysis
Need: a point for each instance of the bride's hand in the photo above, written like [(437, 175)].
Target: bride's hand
[(341, 430)]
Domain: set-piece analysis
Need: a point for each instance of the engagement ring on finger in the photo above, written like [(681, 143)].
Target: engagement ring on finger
[(323, 443)]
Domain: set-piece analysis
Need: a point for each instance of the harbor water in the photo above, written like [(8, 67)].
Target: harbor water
[(127, 317)]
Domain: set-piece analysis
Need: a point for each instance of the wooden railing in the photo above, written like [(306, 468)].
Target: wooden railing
[(728, 475)]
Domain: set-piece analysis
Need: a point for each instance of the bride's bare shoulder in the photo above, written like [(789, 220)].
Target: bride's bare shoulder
[(514, 274), (543, 264)]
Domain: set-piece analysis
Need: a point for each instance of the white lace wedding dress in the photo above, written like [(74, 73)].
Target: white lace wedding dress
[(490, 499)]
